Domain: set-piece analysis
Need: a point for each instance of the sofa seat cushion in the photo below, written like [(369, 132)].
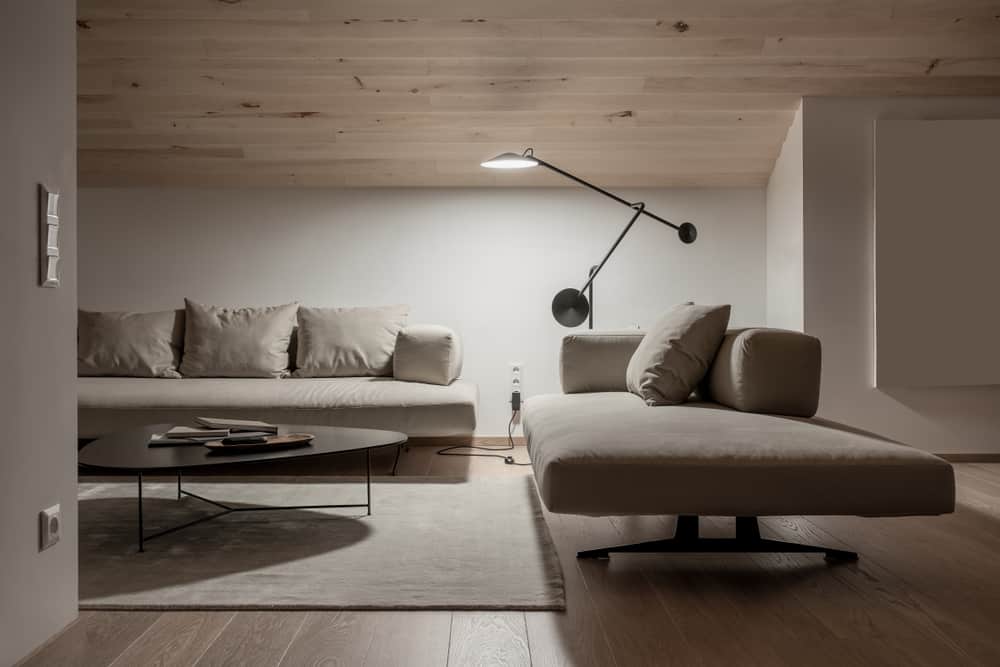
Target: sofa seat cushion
[(111, 404), (610, 454)]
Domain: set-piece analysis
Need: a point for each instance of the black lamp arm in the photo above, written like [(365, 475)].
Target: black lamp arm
[(530, 153), (639, 210), (570, 307)]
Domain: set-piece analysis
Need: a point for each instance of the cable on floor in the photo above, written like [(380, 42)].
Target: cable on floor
[(509, 460)]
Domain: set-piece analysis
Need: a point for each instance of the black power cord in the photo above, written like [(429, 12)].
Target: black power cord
[(509, 460)]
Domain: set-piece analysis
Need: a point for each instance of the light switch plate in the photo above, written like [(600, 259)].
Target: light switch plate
[(48, 250), (50, 527)]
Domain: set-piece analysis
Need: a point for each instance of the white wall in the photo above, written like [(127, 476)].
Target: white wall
[(784, 233), (38, 591), (838, 135), (484, 261)]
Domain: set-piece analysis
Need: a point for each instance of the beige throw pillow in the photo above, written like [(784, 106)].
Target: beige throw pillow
[(146, 345), (348, 342), (676, 353), (237, 342)]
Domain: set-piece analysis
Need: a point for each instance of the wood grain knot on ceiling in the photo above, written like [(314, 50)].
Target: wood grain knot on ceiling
[(418, 92)]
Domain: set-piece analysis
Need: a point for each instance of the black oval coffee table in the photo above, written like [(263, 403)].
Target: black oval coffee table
[(129, 452)]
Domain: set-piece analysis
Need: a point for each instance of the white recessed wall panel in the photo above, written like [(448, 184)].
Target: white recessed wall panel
[(937, 253)]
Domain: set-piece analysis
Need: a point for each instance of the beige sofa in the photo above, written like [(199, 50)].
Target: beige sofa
[(747, 448), (444, 405)]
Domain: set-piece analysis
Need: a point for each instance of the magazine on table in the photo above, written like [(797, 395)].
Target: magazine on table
[(187, 435), (237, 425)]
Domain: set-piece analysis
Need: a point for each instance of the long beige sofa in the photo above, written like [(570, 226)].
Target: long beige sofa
[(599, 450), (407, 379)]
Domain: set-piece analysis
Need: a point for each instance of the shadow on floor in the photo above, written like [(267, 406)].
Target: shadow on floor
[(234, 543)]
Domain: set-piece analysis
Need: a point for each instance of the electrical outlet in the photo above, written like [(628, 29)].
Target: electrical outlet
[(515, 386), (516, 368), (50, 527)]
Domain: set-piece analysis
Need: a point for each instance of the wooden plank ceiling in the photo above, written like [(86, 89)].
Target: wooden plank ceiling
[(418, 92)]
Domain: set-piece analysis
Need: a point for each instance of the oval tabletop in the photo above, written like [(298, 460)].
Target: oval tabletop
[(130, 450)]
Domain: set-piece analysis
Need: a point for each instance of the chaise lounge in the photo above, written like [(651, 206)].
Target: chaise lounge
[(747, 448)]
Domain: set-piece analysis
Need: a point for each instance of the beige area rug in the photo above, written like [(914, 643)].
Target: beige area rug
[(480, 544)]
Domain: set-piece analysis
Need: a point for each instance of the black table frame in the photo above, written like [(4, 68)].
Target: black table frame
[(228, 509)]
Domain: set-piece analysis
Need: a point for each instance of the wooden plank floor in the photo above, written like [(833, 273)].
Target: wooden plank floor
[(925, 592)]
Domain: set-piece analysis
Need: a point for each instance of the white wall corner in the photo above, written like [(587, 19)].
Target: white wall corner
[(784, 234)]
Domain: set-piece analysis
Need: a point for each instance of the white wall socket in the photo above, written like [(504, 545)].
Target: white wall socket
[(515, 375), (50, 527)]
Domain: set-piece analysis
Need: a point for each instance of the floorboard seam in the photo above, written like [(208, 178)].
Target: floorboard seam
[(214, 639), (132, 643), (291, 641)]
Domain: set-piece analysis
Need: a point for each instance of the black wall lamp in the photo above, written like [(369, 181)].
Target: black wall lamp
[(571, 306)]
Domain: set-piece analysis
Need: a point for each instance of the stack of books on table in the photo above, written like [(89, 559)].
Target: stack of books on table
[(210, 429)]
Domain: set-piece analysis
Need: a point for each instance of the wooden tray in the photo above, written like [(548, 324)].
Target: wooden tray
[(274, 442)]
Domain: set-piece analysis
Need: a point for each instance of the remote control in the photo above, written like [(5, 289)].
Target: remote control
[(244, 440)]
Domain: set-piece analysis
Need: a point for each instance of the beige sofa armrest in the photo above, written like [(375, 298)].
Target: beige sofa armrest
[(594, 361), (427, 353), (772, 371)]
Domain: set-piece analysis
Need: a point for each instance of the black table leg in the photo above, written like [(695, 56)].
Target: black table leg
[(228, 509), (139, 480), (395, 464)]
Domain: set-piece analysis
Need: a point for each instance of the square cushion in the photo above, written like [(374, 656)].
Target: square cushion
[(130, 344), (676, 353), (348, 342), (427, 353), (767, 370), (596, 360), (237, 342)]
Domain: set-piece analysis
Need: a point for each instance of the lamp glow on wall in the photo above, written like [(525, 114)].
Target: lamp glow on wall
[(571, 306)]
